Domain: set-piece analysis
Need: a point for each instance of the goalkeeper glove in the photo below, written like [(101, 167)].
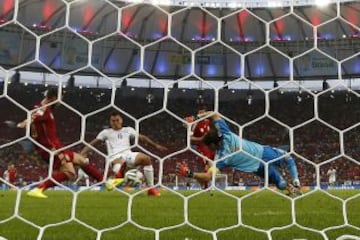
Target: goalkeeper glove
[(191, 119)]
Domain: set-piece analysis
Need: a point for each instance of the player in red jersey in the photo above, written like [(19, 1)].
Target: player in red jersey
[(199, 130), (12, 173), (43, 130)]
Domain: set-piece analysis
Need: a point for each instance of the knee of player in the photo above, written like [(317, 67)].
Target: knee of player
[(146, 160), (80, 160), (290, 161), (281, 184), (71, 175), (208, 177)]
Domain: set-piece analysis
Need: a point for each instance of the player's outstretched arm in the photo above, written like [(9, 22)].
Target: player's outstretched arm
[(196, 139), (22, 124), (211, 114), (147, 140), (37, 116), (86, 149), (183, 170)]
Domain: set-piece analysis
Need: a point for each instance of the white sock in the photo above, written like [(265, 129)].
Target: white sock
[(116, 168), (149, 175), (296, 182), (87, 182), (76, 181)]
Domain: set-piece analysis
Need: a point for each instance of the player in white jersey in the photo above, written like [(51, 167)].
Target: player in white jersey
[(117, 139), (331, 173)]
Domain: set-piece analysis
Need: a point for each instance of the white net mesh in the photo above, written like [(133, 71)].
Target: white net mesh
[(226, 59)]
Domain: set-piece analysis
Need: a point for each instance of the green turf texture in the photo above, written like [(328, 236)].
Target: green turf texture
[(212, 211)]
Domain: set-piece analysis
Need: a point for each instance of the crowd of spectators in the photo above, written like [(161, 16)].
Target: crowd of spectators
[(313, 142)]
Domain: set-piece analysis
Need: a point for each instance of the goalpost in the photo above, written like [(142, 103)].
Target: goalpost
[(86, 61)]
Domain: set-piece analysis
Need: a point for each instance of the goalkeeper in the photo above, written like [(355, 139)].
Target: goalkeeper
[(226, 146)]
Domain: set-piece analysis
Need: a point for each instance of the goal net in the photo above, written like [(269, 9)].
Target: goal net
[(280, 73)]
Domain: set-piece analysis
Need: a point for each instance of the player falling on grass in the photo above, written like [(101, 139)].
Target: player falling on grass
[(199, 130), (226, 145), (43, 130), (117, 140)]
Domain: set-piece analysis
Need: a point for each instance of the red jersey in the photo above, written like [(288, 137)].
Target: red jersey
[(12, 175), (43, 128), (201, 128)]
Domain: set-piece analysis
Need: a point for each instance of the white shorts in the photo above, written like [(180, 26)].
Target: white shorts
[(332, 180), (128, 156)]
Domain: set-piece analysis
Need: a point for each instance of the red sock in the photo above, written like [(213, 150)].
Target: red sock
[(92, 171), (58, 176), (206, 185), (119, 174)]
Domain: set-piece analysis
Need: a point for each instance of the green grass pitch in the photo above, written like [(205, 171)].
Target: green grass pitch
[(209, 210)]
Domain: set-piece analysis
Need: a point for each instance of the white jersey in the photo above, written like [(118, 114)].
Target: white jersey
[(117, 140), (332, 175)]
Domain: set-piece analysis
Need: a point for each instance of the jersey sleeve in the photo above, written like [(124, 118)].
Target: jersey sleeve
[(102, 135), (40, 114), (132, 132), (222, 126), (221, 165)]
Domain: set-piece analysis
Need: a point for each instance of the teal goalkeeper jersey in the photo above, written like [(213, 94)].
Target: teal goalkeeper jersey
[(230, 143)]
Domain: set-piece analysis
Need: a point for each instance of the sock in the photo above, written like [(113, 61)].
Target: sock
[(149, 175), (58, 176), (77, 180), (293, 170), (87, 182), (119, 174), (117, 170), (92, 171)]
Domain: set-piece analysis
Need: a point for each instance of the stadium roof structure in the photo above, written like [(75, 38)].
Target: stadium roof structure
[(259, 40), (239, 3)]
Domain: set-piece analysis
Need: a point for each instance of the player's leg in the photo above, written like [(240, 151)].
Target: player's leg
[(145, 161), (63, 170), (206, 183), (117, 164), (291, 165), (77, 179), (331, 181), (141, 159), (274, 153), (84, 164), (87, 181), (273, 175), (208, 155), (276, 178), (118, 167), (80, 175)]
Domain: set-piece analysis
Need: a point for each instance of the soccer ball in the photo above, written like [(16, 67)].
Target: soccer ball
[(133, 177)]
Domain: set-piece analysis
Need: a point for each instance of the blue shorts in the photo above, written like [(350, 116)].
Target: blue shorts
[(271, 153), (274, 176)]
